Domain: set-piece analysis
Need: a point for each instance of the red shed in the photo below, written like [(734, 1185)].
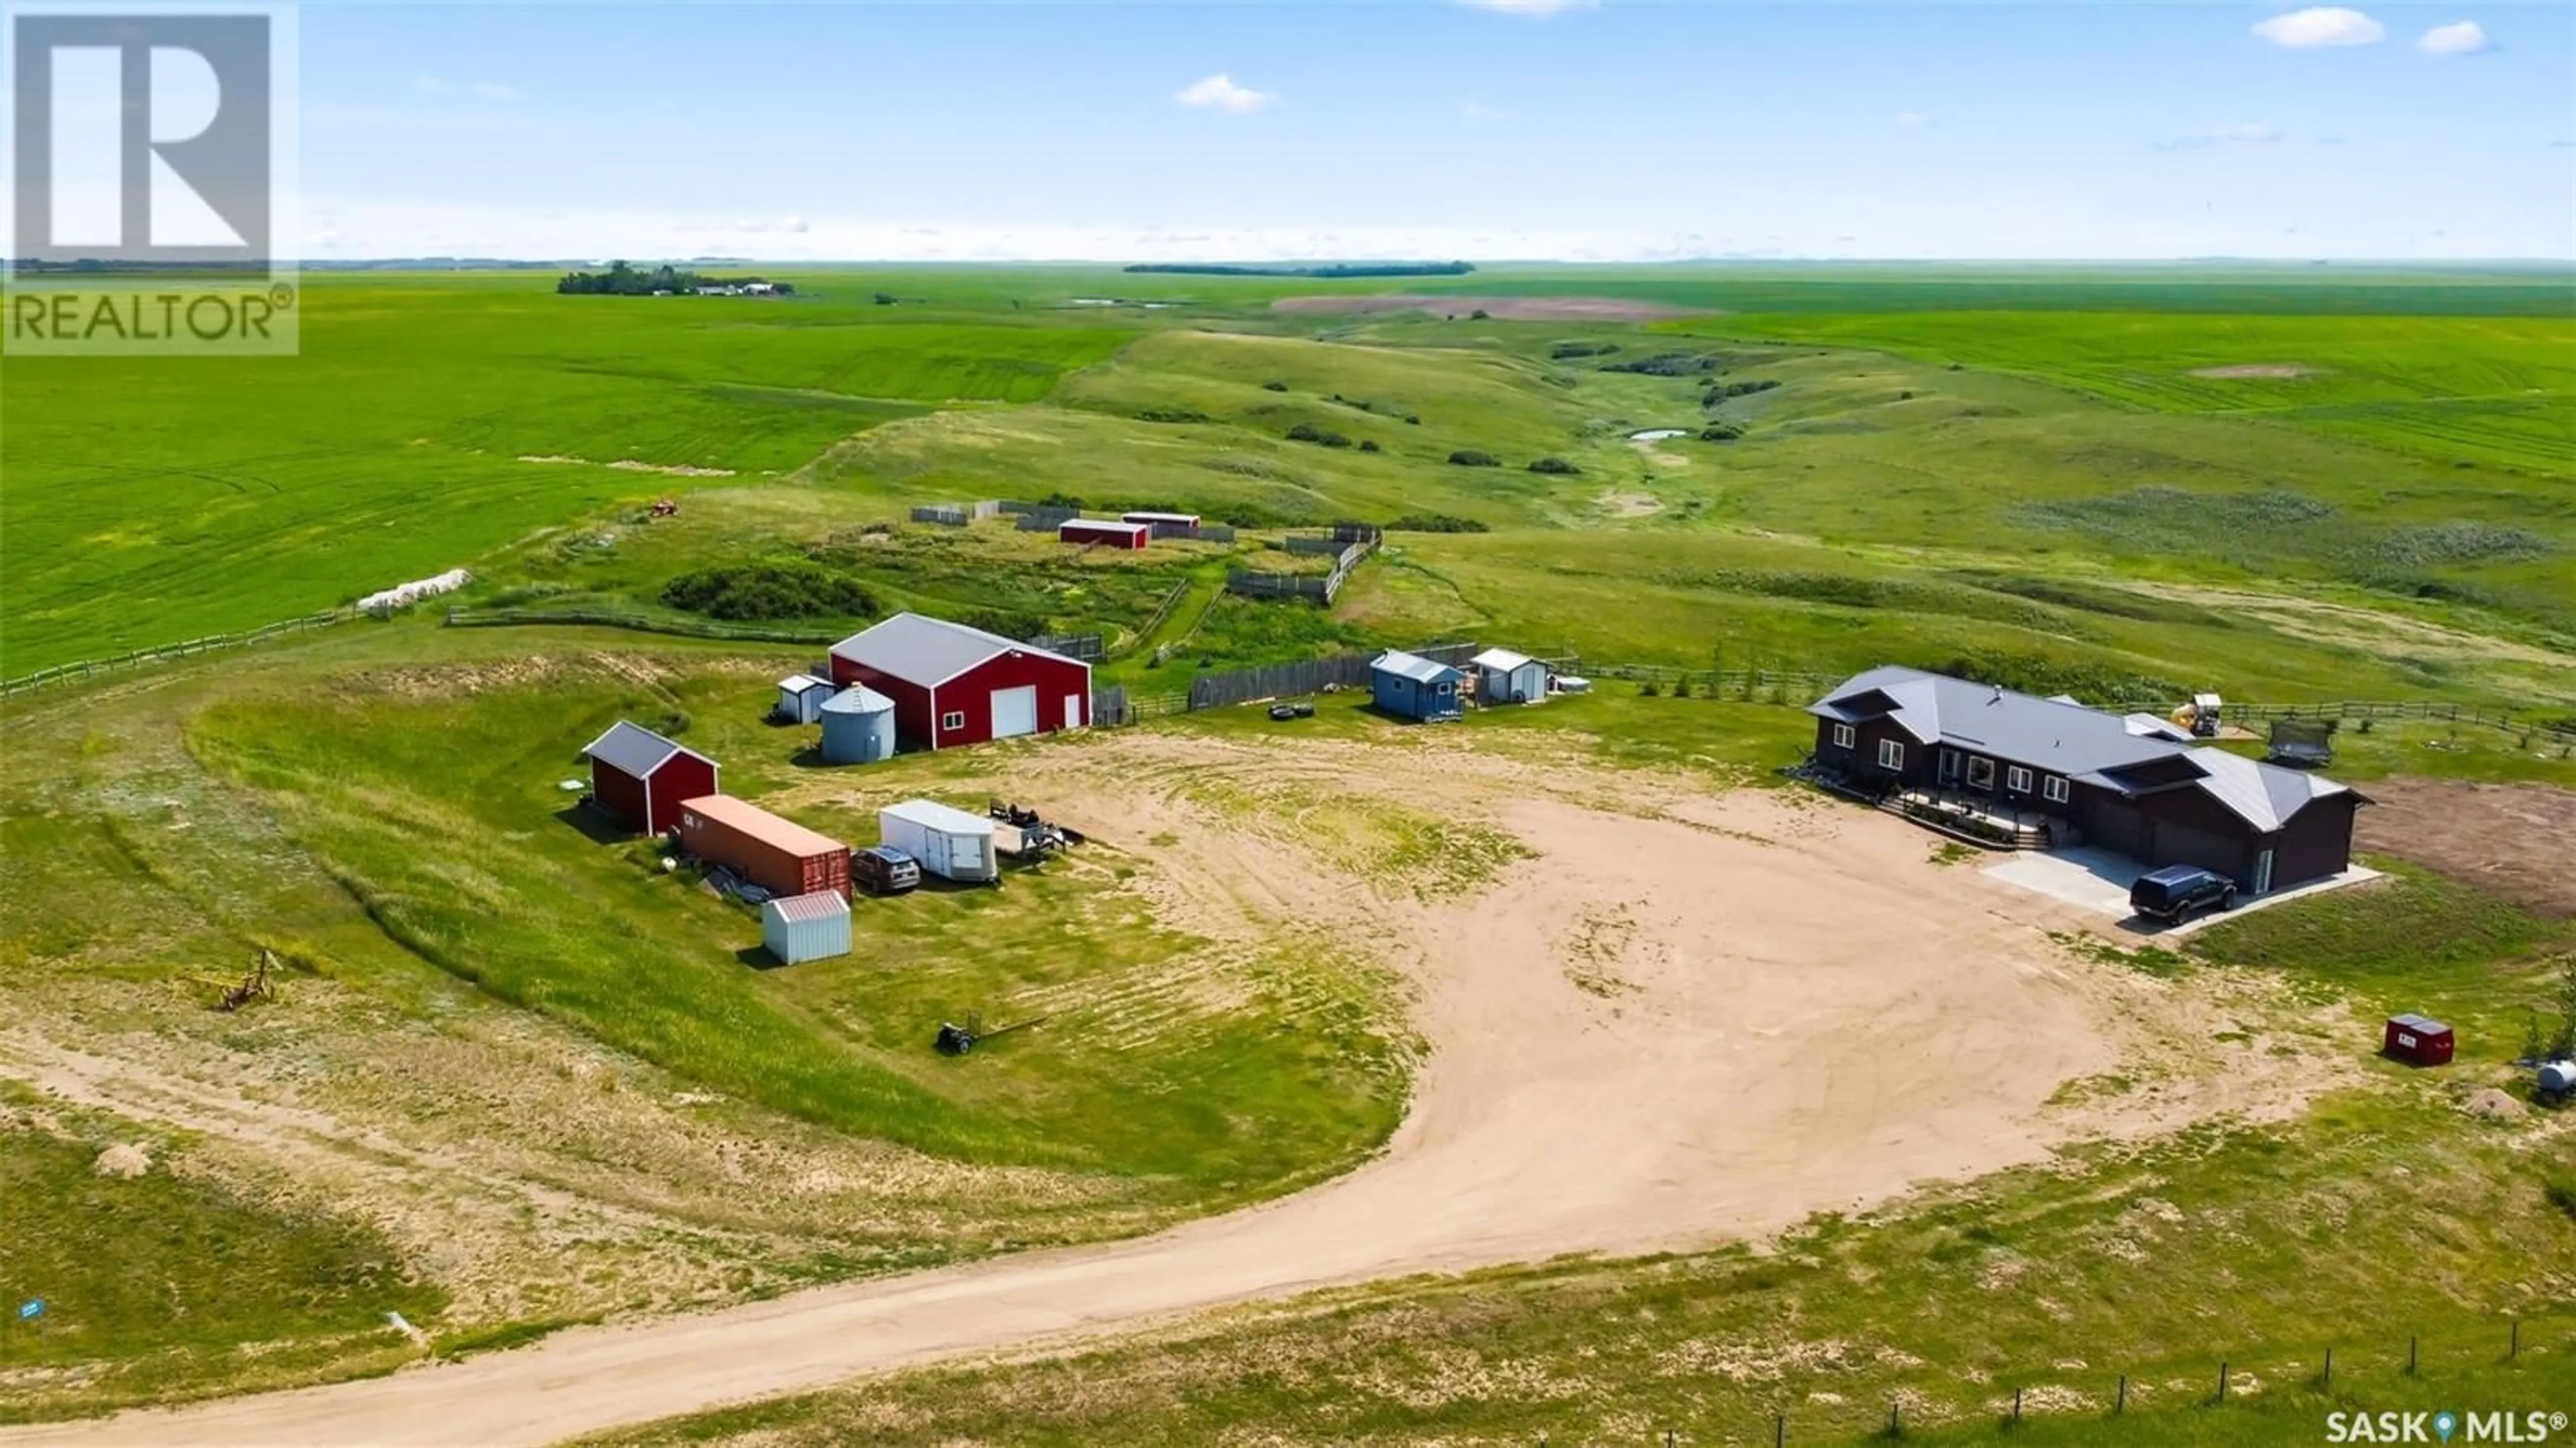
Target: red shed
[(1100, 530), (2417, 1040), (773, 853), (639, 778), (956, 685)]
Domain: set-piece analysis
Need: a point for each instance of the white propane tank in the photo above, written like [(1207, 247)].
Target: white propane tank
[(2558, 1078)]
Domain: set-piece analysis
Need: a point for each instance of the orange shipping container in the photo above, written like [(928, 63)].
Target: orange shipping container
[(773, 853)]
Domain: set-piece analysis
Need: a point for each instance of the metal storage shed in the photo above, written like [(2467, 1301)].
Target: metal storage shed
[(1412, 687), (858, 726), (1101, 530), (639, 778), (949, 843), (1504, 677), (776, 854), (798, 928), (2420, 1040), (801, 696)]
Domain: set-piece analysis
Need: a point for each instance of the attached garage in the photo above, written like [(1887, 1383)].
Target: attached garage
[(1015, 711)]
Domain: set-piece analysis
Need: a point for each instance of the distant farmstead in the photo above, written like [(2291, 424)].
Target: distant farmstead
[(955, 685), (639, 778)]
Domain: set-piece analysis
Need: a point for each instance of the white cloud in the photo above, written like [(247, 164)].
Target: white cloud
[(1529, 7), (2322, 25), (1219, 92), (493, 91), (1478, 111), (429, 85), (2248, 134), (1912, 119), (2461, 37)]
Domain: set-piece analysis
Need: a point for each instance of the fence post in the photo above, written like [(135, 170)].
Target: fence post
[(1779, 1429), (2411, 1344), (2328, 1381), (2222, 1380), (1895, 1424), (2016, 1417), (2513, 1349)]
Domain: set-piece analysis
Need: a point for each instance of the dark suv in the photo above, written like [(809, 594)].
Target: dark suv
[(884, 870), (2175, 891)]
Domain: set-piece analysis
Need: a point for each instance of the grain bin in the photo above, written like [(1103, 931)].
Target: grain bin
[(805, 927), (858, 726), (949, 843)]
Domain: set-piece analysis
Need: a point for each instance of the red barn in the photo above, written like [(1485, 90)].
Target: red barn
[(1100, 530), (639, 778), (956, 685)]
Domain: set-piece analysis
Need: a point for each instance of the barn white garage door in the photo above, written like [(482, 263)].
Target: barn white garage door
[(1015, 711)]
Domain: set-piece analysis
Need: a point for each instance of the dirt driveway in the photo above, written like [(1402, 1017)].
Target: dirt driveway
[(1678, 1020), (2517, 841)]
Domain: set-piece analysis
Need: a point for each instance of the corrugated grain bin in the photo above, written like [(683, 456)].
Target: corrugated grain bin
[(858, 726), (2420, 1040), (949, 843), (776, 854), (805, 927)]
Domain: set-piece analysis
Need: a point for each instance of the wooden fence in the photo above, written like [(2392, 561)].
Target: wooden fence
[(81, 669), (1306, 676), (1324, 588), (1086, 647)]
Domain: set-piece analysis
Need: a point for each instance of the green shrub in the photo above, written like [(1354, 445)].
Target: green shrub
[(1274, 386), (1470, 458), (1435, 523), (1721, 432), (1171, 414), (1553, 465), (1568, 351), (1308, 432), (1368, 444), (770, 588)]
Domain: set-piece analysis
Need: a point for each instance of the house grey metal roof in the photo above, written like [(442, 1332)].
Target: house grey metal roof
[(2070, 739), (1503, 659), (635, 750), (857, 699), (1413, 666), (930, 651)]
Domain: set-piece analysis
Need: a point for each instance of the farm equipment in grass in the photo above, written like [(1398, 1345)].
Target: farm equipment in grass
[(253, 986), (1037, 836), (957, 1040)]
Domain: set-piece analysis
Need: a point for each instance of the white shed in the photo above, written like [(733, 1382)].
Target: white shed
[(949, 843), (801, 696), (1504, 677), (805, 927)]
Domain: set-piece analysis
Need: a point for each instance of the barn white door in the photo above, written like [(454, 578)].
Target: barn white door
[(1073, 711), (1015, 711)]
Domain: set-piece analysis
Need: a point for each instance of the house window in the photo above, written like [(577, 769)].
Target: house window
[(1844, 735), (2054, 788), (1891, 755), (953, 719), (2017, 779), (1981, 773)]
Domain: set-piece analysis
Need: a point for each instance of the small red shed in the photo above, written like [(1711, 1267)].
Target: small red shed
[(773, 853), (1101, 530), (956, 685), (2417, 1040), (638, 778)]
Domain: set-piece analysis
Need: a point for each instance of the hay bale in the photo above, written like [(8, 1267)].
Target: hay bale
[(124, 1161)]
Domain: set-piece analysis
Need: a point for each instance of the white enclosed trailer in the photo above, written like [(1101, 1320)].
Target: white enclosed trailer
[(949, 843)]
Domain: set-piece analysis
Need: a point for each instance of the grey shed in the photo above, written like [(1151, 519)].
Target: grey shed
[(858, 726)]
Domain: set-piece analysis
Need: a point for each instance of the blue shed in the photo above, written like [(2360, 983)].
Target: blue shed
[(858, 726), (1411, 687)]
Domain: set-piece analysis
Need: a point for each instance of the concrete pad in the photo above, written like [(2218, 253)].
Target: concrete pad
[(2098, 881)]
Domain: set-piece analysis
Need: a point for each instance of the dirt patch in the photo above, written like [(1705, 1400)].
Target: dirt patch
[(2490, 1104), (632, 465), (1509, 309), (1672, 1018), (1618, 504), (2514, 841), (123, 1161), (2248, 371)]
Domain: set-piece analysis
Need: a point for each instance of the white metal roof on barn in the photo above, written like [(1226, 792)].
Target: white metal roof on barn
[(927, 651), (1413, 666), (821, 905), (632, 749), (1503, 659), (931, 814)]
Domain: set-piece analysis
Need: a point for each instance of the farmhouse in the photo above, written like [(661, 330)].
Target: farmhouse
[(801, 696), (1504, 677), (1101, 530), (776, 854), (638, 778), (2126, 784), (1411, 687), (955, 685)]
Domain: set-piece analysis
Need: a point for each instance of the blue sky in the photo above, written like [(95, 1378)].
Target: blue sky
[(1614, 131)]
